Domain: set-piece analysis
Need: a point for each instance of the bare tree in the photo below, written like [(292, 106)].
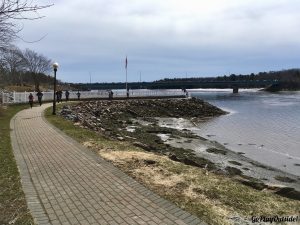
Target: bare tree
[(2, 73), (7, 34), (13, 62), (36, 64), (10, 12)]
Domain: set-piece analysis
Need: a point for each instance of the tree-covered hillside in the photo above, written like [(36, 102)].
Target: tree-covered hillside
[(288, 79)]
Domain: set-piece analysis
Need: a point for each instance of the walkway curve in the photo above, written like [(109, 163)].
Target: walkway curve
[(65, 183)]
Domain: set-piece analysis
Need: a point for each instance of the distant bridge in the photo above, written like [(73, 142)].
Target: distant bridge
[(235, 85), (174, 84)]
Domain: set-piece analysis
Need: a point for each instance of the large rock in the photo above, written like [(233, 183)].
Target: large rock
[(110, 113)]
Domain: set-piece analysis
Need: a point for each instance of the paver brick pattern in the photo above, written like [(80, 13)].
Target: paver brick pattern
[(65, 183)]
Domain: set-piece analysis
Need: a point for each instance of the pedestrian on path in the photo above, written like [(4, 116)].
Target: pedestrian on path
[(57, 96), (60, 95), (67, 95), (40, 96), (110, 94), (30, 98), (78, 95)]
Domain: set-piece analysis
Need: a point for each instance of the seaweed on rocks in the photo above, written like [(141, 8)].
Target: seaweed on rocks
[(289, 193), (235, 163), (216, 151), (256, 185), (232, 171), (285, 179)]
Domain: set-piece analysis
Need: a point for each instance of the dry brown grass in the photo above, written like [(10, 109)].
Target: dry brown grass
[(214, 198), (19, 88)]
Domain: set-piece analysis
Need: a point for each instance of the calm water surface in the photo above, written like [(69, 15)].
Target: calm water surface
[(265, 126)]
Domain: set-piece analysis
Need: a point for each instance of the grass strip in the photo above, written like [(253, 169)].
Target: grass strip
[(13, 207)]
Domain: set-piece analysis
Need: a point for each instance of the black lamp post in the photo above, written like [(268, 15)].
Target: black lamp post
[(55, 66)]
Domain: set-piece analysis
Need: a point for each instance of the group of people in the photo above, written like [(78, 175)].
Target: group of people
[(58, 94), (39, 94)]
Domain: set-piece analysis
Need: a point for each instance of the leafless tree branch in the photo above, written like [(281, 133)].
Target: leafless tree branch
[(12, 10), (35, 64)]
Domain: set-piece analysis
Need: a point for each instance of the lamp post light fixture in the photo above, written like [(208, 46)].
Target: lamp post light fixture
[(55, 66)]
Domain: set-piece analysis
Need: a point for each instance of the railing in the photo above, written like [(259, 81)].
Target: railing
[(22, 97)]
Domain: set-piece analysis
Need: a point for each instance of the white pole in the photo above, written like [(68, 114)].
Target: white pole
[(14, 97)]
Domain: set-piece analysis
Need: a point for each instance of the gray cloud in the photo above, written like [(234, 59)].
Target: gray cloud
[(167, 38)]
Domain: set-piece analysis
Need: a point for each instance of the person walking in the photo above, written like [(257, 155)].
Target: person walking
[(30, 98), (78, 95), (67, 95), (57, 97), (110, 94), (40, 96), (60, 95)]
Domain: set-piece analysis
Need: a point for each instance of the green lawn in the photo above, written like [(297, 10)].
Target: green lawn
[(13, 207)]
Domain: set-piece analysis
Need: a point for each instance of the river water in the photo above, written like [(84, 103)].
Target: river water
[(264, 126)]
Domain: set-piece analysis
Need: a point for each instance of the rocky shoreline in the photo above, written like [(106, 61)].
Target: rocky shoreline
[(138, 121)]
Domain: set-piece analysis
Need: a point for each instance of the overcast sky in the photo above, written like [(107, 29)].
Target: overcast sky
[(166, 38)]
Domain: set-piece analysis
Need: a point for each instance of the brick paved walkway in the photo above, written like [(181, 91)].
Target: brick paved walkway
[(65, 183)]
